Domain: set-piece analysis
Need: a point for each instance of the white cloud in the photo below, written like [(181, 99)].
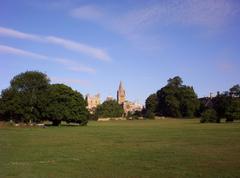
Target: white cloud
[(97, 53), (67, 63), (79, 47), (207, 14), (134, 23), (20, 52), (16, 34), (87, 12)]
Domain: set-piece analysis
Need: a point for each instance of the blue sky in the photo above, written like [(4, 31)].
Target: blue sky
[(92, 45)]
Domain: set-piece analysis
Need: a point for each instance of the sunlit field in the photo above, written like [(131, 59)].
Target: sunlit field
[(141, 148)]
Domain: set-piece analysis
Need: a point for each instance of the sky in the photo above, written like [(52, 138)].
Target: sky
[(93, 45)]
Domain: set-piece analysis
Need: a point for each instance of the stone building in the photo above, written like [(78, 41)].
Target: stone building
[(128, 106), (92, 102), (131, 107)]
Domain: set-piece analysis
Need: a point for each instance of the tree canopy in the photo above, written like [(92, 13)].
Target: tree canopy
[(109, 108), (226, 104), (65, 104), (173, 100), (20, 101), (151, 103), (235, 91), (31, 98)]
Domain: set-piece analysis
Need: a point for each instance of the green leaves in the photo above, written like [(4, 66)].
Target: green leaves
[(173, 100), (109, 108), (31, 98), (65, 104), (209, 115)]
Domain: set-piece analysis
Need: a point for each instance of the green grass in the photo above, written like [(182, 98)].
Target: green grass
[(151, 148)]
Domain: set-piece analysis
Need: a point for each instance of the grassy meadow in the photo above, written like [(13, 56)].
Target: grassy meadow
[(122, 149)]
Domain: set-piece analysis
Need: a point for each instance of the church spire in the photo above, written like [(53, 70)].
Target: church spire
[(121, 94), (120, 86)]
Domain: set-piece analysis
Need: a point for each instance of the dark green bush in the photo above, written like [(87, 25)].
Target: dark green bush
[(209, 115), (150, 115)]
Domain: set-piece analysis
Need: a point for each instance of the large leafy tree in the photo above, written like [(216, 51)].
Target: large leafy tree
[(20, 101), (109, 108), (233, 110), (30, 97), (177, 100), (65, 104), (152, 103)]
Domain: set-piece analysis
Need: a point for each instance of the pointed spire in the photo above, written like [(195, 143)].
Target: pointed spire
[(121, 94), (120, 86)]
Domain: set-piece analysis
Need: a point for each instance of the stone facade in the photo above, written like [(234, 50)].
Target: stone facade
[(128, 106), (92, 102), (131, 107)]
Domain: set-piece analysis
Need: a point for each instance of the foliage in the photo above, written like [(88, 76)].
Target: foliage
[(175, 82), (235, 91), (30, 98), (20, 101), (225, 104), (65, 104), (233, 110), (109, 108), (152, 103), (210, 115), (134, 115), (220, 104), (177, 100), (149, 114)]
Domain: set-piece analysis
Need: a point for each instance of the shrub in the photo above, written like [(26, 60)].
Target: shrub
[(209, 115), (233, 110), (150, 115)]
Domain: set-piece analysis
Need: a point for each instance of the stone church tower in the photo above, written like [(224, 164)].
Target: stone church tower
[(121, 94)]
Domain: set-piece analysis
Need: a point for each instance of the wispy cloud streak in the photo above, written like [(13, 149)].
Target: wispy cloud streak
[(67, 63), (94, 52), (79, 47), (20, 52), (20, 35), (209, 14)]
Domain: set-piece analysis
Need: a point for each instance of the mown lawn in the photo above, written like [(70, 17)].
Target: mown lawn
[(150, 148)]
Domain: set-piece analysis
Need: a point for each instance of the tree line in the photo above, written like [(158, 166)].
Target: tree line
[(180, 101), (31, 98)]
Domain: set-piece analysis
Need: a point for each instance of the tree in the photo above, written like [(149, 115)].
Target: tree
[(189, 103), (177, 100), (220, 104), (65, 104), (233, 110), (19, 101), (30, 98), (235, 91), (175, 82), (149, 114), (210, 115), (109, 108), (152, 103)]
